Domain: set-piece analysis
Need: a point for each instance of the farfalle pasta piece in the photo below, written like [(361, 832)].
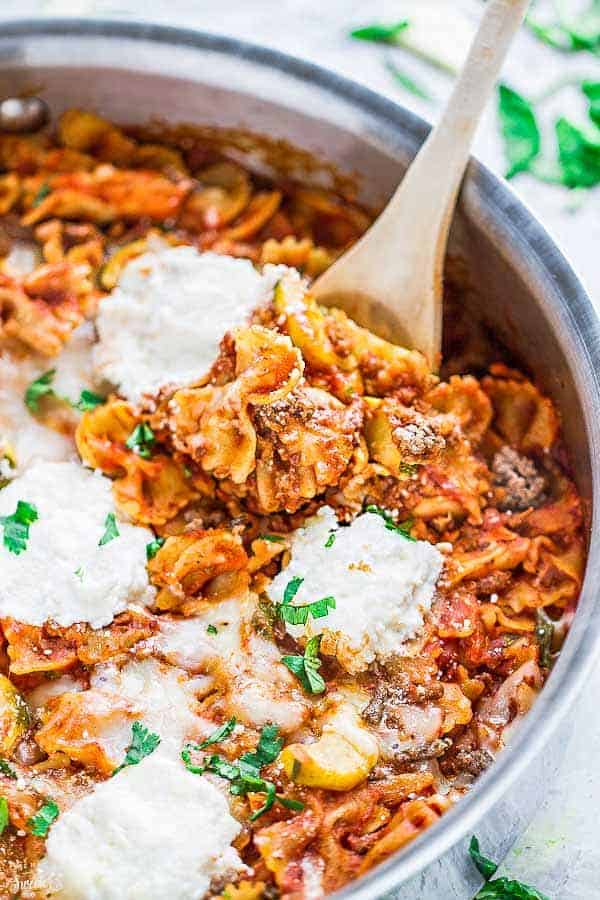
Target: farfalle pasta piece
[(523, 417), (213, 424), (152, 491), (102, 433), (300, 254), (462, 397), (185, 564), (398, 435)]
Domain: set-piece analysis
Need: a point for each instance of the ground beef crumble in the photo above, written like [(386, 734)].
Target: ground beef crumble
[(518, 475)]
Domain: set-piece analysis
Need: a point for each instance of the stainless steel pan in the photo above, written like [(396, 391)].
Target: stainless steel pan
[(524, 292)]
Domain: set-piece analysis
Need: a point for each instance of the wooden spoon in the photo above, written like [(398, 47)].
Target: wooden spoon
[(391, 280)]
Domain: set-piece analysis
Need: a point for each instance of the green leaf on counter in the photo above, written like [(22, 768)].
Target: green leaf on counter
[(380, 34), (405, 81), (520, 131), (499, 888), (578, 156)]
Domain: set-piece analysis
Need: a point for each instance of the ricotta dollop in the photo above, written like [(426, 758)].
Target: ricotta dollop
[(154, 831), (382, 583), (164, 321), (64, 574)]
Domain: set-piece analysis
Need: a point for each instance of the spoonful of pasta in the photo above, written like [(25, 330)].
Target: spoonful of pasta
[(391, 280)]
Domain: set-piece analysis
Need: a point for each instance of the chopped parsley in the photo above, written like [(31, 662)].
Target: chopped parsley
[(544, 635), (408, 469), (272, 538), (403, 528), (221, 734), (79, 573), (499, 888), (41, 387), (143, 743), (16, 527), (141, 440), (153, 547), (330, 540), (211, 629), (380, 34), (88, 400), (41, 194), (298, 615), (306, 668), (43, 819), (244, 774), (3, 814), (6, 769), (110, 530)]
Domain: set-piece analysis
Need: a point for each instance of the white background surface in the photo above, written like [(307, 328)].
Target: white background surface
[(560, 852)]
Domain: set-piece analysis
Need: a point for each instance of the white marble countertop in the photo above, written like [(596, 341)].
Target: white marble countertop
[(559, 853)]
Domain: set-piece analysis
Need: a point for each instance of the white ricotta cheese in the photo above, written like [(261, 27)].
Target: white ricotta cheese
[(382, 583), (154, 831), (27, 437), (64, 574), (164, 321)]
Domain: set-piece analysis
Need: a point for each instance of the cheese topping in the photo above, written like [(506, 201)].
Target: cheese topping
[(165, 320), (26, 438), (153, 831), (382, 583), (64, 574)]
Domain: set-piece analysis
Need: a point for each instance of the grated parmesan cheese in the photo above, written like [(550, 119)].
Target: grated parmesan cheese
[(382, 584), (154, 831), (64, 575), (165, 320)]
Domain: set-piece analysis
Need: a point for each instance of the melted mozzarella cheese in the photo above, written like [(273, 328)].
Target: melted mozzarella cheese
[(64, 574), (154, 831), (382, 583), (160, 696), (21, 433), (165, 320)]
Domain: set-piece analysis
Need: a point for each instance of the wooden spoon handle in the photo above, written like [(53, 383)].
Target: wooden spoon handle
[(400, 259)]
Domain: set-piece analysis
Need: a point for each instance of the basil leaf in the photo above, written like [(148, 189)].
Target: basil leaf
[(330, 540), (578, 156), (292, 589), (485, 866), (306, 668), (41, 387), (402, 528), (16, 527), (268, 749), (141, 440), (143, 743), (520, 131), (42, 193), (272, 538), (591, 89), (211, 629), (220, 734), (380, 34), (111, 530), (40, 823), (406, 82)]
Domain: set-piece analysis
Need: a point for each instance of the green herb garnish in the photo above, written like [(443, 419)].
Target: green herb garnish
[(153, 547), (42, 193), (211, 629), (403, 528), (244, 775), (43, 819), (499, 888), (88, 400), (79, 573), (3, 815), (16, 527), (143, 743), (272, 538), (41, 387), (578, 156), (141, 440), (380, 34), (298, 615), (220, 734), (6, 769), (578, 32), (522, 140), (405, 81), (306, 668), (544, 635), (330, 540), (110, 530)]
